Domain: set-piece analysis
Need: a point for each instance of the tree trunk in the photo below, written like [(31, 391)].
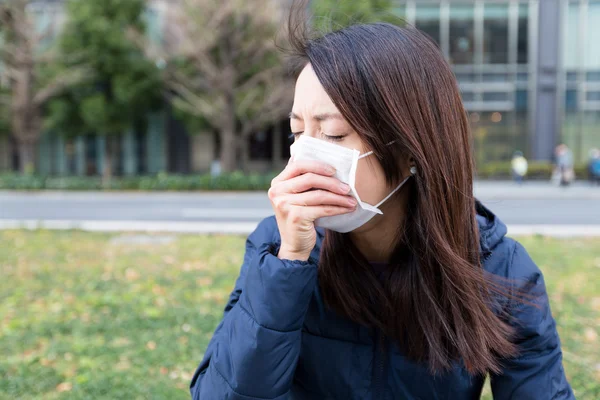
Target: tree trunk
[(228, 154), (26, 157), (108, 158), (243, 148)]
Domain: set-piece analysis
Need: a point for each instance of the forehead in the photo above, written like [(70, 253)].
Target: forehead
[(310, 96)]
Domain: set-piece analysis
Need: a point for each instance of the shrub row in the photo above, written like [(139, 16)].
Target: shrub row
[(160, 182), (226, 182)]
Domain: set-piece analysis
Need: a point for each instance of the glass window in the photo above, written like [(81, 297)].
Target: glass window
[(495, 96), (91, 155), (468, 96), (261, 145), (521, 97), (465, 77), (571, 124), (400, 11), (522, 77), (593, 76), (571, 76), (523, 35), (71, 156), (496, 137), (153, 21), (590, 132), (428, 20), (490, 77), (462, 31), (593, 96), (571, 47), (141, 150), (495, 34), (571, 100), (592, 53)]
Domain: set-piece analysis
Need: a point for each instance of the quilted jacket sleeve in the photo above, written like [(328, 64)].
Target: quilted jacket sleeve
[(254, 350), (537, 372)]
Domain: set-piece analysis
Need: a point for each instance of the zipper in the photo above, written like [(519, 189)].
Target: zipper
[(487, 256), (379, 365)]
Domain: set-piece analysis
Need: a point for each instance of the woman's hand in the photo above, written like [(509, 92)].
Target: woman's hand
[(302, 193)]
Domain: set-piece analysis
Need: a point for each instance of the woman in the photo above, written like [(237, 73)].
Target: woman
[(419, 297)]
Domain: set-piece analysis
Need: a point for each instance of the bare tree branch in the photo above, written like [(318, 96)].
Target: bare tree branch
[(223, 66), (23, 53), (62, 82)]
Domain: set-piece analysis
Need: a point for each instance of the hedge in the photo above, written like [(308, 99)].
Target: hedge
[(226, 182), (160, 182)]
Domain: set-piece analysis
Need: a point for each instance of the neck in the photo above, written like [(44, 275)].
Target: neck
[(376, 240)]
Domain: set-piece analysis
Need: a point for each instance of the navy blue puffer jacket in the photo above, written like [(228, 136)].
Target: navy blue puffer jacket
[(277, 340)]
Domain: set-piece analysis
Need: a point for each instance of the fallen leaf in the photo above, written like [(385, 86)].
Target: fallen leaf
[(170, 260), (183, 340), (590, 335), (206, 281), (151, 345), (64, 387), (131, 274), (596, 303), (45, 362)]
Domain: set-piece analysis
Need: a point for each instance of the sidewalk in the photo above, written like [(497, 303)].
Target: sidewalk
[(535, 190), (482, 189)]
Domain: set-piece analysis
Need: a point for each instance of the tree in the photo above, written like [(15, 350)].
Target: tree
[(126, 85), (333, 14), (27, 64), (224, 70)]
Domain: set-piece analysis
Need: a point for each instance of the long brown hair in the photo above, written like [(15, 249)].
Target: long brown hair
[(392, 83)]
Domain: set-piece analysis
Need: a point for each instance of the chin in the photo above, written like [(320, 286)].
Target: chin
[(369, 226)]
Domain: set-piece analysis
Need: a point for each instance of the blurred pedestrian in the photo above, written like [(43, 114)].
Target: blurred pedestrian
[(564, 172), (519, 166), (594, 166)]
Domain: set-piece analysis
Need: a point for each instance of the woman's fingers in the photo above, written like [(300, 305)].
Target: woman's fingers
[(321, 198), (296, 214), (298, 168), (310, 181)]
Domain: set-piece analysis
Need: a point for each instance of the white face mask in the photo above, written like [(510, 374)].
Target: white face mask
[(345, 161)]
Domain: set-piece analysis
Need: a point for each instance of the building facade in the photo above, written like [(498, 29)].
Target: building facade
[(528, 70)]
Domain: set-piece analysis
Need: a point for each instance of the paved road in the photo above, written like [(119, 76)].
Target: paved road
[(532, 204)]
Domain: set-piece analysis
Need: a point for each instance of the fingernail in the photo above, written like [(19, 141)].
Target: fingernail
[(352, 201), (345, 188), (330, 170)]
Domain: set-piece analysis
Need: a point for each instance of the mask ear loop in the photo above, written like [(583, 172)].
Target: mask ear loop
[(371, 152), (413, 171)]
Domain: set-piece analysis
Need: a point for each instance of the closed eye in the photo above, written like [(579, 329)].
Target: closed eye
[(335, 138)]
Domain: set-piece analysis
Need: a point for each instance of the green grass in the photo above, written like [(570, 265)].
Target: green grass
[(92, 316)]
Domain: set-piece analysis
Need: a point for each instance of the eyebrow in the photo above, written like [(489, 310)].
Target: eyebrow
[(319, 117)]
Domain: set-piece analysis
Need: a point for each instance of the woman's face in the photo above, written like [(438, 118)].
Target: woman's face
[(315, 115)]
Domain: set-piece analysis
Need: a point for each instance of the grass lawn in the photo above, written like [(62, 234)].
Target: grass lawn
[(102, 316)]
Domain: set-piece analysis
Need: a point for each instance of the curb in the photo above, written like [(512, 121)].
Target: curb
[(245, 228)]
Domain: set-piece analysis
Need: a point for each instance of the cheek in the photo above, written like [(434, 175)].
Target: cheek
[(370, 181)]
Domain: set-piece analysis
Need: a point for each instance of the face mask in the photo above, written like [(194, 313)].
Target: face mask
[(345, 161)]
